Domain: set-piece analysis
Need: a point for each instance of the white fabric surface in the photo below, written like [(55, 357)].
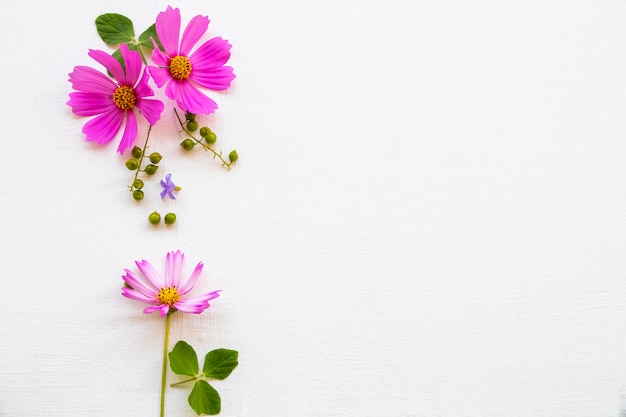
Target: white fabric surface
[(427, 217)]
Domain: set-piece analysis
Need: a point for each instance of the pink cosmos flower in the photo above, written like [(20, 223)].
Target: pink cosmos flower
[(165, 294), (113, 101), (184, 72)]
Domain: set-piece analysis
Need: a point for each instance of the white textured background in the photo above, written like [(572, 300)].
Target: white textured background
[(428, 217)]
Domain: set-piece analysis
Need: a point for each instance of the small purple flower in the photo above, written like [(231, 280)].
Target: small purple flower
[(168, 187)]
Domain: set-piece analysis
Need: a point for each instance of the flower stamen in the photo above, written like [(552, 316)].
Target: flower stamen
[(180, 67), (168, 295), (125, 97)]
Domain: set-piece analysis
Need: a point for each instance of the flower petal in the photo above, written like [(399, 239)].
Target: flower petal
[(192, 34), (168, 29), (130, 133), (90, 80), (150, 109), (151, 274), (213, 78), (132, 64), (138, 285), (188, 285), (142, 89), (110, 63), (212, 54), (90, 104), (158, 57), (190, 98), (173, 268), (135, 295), (160, 75), (104, 127)]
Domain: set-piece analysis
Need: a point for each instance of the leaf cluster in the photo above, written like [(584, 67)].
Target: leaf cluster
[(218, 364), (115, 29)]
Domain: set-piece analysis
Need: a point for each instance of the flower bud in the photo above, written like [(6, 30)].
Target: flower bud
[(154, 218), (211, 138), (151, 169), (138, 184), (192, 125), (204, 131), (170, 218), (190, 116), (137, 152), (155, 157), (132, 164), (233, 156), (138, 195), (187, 144)]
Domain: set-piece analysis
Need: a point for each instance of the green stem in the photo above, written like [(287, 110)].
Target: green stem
[(164, 369), (199, 142), (143, 153)]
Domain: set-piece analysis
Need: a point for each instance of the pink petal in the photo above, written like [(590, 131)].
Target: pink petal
[(160, 75), (213, 78), (110, 63), (151, 274), (138, 285), (160, 307), (193, 32), (132, 63), (90, 104), (158, 57), (104, 127), (191, 99), (212, 54), (130, 133), (150, 109), (188, 285), (173, 268), (128, 293), (168, 30), (142, 89), (89, 80)]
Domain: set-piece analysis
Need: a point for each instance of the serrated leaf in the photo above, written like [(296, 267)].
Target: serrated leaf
[(204, 399), (114, 28), (144, 38), (219, 363), (183, 359)]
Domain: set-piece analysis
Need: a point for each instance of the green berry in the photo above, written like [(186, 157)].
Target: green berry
[(204, 131), (132, 164), (154, 218), (137, 152), (151, 169), (138, 184), (190, 116), (187, 144), (155, 157), (170, 218), (233, 156), (192, 125), (138, 195), (211, 138)]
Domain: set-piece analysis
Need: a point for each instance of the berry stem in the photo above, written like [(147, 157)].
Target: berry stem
[(143, 153), (199, 142)]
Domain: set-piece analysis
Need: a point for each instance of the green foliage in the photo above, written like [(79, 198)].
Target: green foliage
[(115, 28), (220, 363), (144, 38), (204, 399), (183, 359)]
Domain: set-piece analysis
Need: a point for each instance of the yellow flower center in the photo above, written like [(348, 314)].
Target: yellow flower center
[(180, 67), (124, 97), (168, 295)]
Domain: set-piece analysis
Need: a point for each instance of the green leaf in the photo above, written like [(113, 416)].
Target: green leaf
[(220, 363), (144, 38), (204, 399), (117, 54), (114, 28), (183, 359)]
